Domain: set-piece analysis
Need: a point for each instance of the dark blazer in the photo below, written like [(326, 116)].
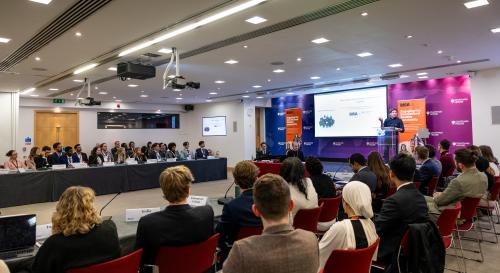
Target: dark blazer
[(406, 206), (201, 153), (425, 174), (263, 155), (93, 160), (366, 176), (65, 160), (55, 159), (76, 159), (175, 226), (299, 154), (324, 186), (114, 150), (41, 162), (152, 155), (60, 253)]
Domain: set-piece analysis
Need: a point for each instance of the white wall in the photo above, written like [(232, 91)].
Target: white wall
[(485, 93), (9, 105)]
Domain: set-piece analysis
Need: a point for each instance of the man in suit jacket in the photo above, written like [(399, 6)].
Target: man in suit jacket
[(179, 224), (55, 158), (295, 152), (79, 156), (67, 158), (115, 149), (361, 171), (155, 152), (42, 161), (106, 155), (406, 206), (201, 153), (263, 153), (280, 248), (427, 170)]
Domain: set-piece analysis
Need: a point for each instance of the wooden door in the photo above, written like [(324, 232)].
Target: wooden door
[(53, 127)]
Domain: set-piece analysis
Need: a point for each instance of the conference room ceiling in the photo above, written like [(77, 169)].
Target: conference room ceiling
[(463, 35)]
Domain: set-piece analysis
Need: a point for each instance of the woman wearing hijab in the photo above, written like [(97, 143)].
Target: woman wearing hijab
[(356, 232)]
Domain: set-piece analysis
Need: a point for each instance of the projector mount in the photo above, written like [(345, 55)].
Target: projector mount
[(88, 101), (178, 82)]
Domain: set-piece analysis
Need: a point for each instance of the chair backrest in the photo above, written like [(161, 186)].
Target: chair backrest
[(495, 190), (447, 220), (404, 244), (417, 184), (307, 219), (469, 206), (245, 232), (196, 258), (392, 190), (352, 261), (125, 264), (330, 208), (432, 185)]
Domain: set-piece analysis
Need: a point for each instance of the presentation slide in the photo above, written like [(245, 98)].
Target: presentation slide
[(352, 113), (214, 126)]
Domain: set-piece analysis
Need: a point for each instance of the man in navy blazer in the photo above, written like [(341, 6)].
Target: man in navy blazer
[(56, 157), (361, 171), (67, 157), (201, 153), (428, 169), (79, 156)]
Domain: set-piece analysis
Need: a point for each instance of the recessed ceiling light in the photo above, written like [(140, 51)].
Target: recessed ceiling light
[(142, 91), (403, 76), (103, 93), (459, 61), (46, 2), (34, 95), (245, 96), (364, 13), (178, 98), (96, 87), (219, 82), (423, 77), (256, 86), (133, 85), (218, 88), (231, 62), (245, 46), (338, 69), (256, 20), (422, 74), (54, 89), (37, 58), (78, 34), (71, 94), (495, 30), (299, 59), (212, 93), (165, 50), (209, 100), (78, 80), (27, 91), (114, 97), (409, 36), (439, 52), (85, 68), (144, 96), (365, 54), (268, 80), (290, 93), (112, 68), (259, 97), (4, 40), (315, 78), (176, 90), (278, 70), (395, 65), (476, 3), (320, 40)]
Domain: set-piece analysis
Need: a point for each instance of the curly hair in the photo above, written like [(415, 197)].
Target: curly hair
[(292, 171), (75, 212)]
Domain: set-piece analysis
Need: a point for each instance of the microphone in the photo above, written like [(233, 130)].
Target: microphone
[(109, 202), (335, 173), (225, 199)]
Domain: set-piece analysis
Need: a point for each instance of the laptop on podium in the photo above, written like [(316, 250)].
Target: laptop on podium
[(17, 236)]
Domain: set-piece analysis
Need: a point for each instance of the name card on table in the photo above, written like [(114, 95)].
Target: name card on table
[(58, 166), (210, 157), (197, 201), (171, 159), (108, 163), (43, 231), (134, 215), (21, 170), (152, 161), (130, 161), (4, 171), (79, 165)]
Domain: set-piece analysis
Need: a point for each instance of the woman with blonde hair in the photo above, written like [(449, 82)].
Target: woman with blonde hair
[(79, 236), (120, 155), (30, 162)]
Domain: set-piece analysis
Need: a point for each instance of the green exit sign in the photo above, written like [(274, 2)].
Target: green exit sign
[(58, 100)]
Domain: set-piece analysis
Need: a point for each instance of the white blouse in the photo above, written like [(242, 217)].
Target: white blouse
[(495, 168), (299, 199)]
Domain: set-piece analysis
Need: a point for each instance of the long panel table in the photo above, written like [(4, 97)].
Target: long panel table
[(47, 186)]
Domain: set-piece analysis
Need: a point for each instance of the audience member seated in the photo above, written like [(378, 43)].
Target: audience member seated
[(238, 212), (263, 153), (280, 248), (163, 150), (470, 183), (302, 190), (406, 206), (41, 160), (79, 156), (484, 167), (13, 164), (358, 231), (295, 152), (56, 157), (115, 149), (185, 153), (138, 154), (171, 152), (120, 156), (432, 156), (107, 156), (201, 152), (30, 161), (179, 224), (149, 148), (362, 172), (131, 147), (79, 236), (488, 154), (155, 153), (428, 169), (323, 184), (376, 164), (124, 146), (447, 161), (96, 158), (67, 158)]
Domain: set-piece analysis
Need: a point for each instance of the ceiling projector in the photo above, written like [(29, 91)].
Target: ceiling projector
[(179, 82), (176, 82), (88, 101)]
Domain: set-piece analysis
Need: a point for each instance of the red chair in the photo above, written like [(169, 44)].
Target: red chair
[(352, 261), (307, 219), (417, 184), (447, 223), (404, 249), (330, 208), (493, 205), (125, 264), (245, 232), (431, 188), (195, 258), (468, 217)]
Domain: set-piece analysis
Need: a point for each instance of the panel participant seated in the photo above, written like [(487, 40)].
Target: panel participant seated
[(67, 158), (41, 161), (79, 156), (185, 153), (202, 152), (155, 153), (295, 152), (55, 158), (263, 153)]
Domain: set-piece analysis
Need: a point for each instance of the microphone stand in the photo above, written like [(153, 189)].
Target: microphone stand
[(225, 199), (109, 202)]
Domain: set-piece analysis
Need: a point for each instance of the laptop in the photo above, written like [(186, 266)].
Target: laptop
[(17, 236)]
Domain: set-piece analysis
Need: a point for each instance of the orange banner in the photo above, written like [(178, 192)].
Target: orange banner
[(413, 114), (293, 123)]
